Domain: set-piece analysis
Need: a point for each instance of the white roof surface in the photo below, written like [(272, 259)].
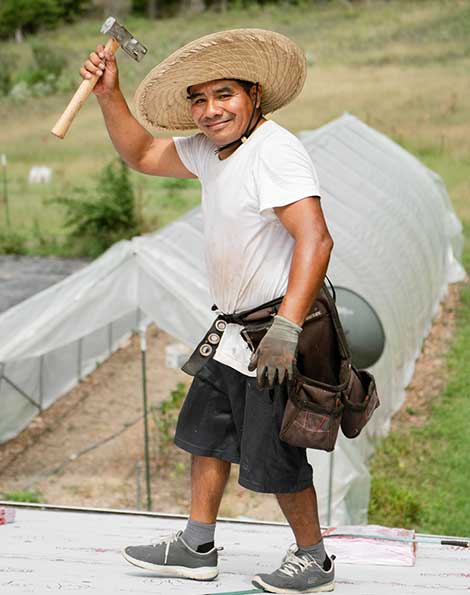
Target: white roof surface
[(49, 551)]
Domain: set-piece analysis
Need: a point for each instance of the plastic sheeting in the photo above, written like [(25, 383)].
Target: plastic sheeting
[(397, 244)]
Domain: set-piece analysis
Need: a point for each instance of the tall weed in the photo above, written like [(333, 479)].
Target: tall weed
[(100, 217)]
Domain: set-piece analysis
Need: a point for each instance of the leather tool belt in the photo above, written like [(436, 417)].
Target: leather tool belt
[(327, 391), (261, 315)]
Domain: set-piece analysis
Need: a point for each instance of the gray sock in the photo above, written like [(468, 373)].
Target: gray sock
[(317, 551), (197, 533)]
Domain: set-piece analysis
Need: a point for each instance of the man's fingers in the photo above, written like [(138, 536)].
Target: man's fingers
[(281, 374), (90, 67), (290, 370), (261, 377), (95, 59), (272, 376), (84, 73)]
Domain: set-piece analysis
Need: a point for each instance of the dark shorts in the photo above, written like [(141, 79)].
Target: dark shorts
[(226, 416)]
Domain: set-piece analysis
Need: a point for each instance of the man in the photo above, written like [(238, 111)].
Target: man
[(265, 237)]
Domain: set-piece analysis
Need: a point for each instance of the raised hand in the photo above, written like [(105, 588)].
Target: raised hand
[(103, 65)]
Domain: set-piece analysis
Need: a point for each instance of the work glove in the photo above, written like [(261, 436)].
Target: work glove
[(275, 357)]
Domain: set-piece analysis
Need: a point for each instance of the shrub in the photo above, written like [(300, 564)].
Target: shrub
[(12, 242), (164, 417), (42, 76), (108, 215), (48, 59), (23, 496)]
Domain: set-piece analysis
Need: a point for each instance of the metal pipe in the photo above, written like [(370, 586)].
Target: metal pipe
[(110, 338), (2, 368), (432, 540), (330, 488), (41, 381), (5, 189), (79, 359), (143, 352), (22, 393), (138, 485)]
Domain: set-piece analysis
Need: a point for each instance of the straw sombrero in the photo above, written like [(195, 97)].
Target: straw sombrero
[(255, 55)]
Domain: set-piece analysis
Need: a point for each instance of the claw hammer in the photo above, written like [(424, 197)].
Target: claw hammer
[(119, 37)]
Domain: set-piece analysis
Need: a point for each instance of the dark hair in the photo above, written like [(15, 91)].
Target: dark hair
[(247, 85)]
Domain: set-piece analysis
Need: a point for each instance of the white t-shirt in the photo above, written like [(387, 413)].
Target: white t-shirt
[(248, 251)]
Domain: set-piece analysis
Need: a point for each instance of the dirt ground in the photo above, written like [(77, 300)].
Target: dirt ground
[(47, 456), (87, 449)]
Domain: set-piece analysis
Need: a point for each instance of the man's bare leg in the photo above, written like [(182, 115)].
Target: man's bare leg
[(208, 480), (191, 554), (301, 512)]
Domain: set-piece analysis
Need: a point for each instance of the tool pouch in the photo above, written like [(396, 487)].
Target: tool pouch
[(360, 400), (314, 408), (327, 391), (312, 415)]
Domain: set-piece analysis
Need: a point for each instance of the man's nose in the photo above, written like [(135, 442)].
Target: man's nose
[(213, 108)]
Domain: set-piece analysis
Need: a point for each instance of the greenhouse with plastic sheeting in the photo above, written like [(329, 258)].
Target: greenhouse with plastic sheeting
[(397, 248)]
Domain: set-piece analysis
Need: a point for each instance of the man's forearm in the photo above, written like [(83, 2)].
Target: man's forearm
[(130, 139), (307, 272)]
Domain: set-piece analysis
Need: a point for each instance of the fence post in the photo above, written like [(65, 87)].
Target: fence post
[(330, 488), (41, 381), (138, 485), (79, 360), (110, 338), (143, 352), (5, 190)]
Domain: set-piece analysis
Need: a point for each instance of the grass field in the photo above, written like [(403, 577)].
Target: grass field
[(403, 68)]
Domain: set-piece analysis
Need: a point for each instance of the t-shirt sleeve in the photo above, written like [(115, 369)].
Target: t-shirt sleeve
[(191, 151), (285, 174)]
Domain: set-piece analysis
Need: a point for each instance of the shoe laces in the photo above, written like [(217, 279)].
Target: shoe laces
[(172, 538), (293, 564), (167, 539)]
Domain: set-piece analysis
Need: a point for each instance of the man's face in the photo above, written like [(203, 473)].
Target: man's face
[(221, 109)]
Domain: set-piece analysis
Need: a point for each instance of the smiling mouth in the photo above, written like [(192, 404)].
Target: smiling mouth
[(217, 124)]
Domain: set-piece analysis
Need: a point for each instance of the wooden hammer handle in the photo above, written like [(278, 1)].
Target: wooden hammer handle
[(81, 94)]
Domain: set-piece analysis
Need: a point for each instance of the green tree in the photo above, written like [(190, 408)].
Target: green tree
[(30, 15)]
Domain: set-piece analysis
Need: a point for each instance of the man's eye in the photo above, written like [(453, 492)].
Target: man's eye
[(197, 101), (224, 96)]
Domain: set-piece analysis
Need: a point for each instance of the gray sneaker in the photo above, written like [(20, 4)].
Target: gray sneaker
[(297, 574), (172, 556)]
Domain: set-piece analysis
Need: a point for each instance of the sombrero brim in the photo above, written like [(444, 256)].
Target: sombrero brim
[(257, 55)]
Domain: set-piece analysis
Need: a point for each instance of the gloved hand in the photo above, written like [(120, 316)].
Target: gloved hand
[(274, 359)]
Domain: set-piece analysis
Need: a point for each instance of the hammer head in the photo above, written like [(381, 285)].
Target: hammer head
[(128, 43)]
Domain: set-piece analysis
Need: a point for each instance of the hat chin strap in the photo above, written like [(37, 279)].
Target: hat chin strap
[(248, 130)]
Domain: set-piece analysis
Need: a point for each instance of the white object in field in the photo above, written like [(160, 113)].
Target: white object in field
[(4, 160), (176, 354), (40, 174), (397, 244)]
